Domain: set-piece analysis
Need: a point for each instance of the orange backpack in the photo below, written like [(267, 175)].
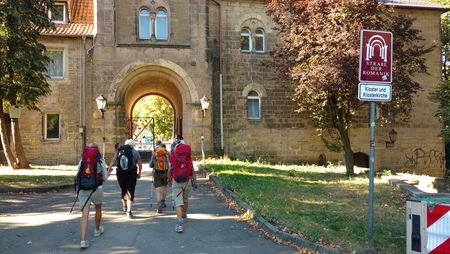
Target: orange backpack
[(160, 161)]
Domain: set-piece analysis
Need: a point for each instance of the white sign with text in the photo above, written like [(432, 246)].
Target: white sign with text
[(374, 92)]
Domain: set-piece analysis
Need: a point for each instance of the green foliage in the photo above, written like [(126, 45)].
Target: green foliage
[(319, 56), (318, 203), (22, 57), (158, 108), (442, 96)]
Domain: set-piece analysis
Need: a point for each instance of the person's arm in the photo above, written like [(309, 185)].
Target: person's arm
[(112, 162), (105, 171), (152, 163), (139, 162)]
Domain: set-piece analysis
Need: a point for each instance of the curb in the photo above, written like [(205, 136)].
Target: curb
[(269, 227), (4, 189)]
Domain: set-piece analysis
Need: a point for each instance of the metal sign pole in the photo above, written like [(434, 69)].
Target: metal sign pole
[(371, 171)]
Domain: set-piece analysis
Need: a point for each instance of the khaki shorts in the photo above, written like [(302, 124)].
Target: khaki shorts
[(181, 192), (96, 197)]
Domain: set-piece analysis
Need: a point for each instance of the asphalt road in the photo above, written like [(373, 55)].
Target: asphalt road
[(41, 223)]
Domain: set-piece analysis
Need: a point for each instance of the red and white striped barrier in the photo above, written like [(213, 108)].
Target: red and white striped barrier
[(438, 229)]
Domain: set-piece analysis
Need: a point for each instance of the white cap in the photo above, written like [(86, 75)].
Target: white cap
[(129, 142)]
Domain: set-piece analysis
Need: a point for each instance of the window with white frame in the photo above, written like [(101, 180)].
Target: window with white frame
[(246, 40), (55, 68), (153, 24), (253, 105), (260, 46), (161, 25), (59, 13), (51, 126), (145, 25)]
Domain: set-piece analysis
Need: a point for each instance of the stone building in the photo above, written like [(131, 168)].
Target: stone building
[(182, 50)]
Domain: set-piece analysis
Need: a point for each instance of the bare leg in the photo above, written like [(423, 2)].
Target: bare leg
[(124, 203), (179, 210), (164, 192), (158, 194), (84, 221), (185, 208), (129, 204), (98, 216)]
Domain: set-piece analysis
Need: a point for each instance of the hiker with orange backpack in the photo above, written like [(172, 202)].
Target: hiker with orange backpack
[(90, 177), (160, 164), (182, 171)]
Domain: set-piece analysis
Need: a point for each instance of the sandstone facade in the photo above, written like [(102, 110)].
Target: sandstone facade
[(202, 56)]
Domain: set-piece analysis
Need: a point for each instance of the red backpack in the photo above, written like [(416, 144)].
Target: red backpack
[(89, 177), (182, 163)]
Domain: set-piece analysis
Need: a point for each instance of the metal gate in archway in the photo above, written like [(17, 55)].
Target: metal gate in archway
[(142, 131)]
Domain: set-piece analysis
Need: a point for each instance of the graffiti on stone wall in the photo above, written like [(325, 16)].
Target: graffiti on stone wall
[(421, 159)]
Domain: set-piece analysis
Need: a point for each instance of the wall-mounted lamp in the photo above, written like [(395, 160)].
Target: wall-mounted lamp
[(101, 105), (392, 138), (204, 102)]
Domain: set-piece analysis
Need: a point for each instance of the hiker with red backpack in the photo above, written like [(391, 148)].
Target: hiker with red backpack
[(90, 177), (182, 171), (128, 171), (160, 164)]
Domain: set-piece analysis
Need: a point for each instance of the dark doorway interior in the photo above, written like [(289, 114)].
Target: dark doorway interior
[(361, 160)]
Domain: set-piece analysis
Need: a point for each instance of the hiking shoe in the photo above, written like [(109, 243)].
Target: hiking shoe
[(84, 244), (159, 210), (129, 215), (179, 227), (99, 231), (163, 203), (183, 218)]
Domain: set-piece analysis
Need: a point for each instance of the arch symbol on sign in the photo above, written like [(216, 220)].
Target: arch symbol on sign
[(376, 41)]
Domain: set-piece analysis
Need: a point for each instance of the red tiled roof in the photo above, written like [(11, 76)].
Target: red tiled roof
[(80, 15), (415, 3), (70, 29), (82, 11)]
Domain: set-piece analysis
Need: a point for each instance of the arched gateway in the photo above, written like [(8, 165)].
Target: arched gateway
[(162, 78)]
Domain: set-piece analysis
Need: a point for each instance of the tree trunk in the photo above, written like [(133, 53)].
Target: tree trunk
[(348, 152), (5, 140), (22, 159)]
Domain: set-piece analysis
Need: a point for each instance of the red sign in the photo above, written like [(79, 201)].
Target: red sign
[(375, 59)]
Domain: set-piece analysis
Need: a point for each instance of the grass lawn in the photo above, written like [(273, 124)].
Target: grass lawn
[(33, 181), (320, 204), (38, 176)]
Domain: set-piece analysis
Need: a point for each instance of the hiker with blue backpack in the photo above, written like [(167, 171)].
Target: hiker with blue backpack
[(160, 164), (128, 171), (181, 173), (90, 177)]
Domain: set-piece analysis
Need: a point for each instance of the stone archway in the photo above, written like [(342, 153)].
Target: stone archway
[(162, 78)]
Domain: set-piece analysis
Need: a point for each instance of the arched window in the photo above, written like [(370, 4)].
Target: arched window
[(246, 40), (253, 105), (260, 46), (161, 25), (145, 25)]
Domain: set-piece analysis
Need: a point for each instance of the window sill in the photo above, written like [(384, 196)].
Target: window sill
[(51, 141), (56, 78)]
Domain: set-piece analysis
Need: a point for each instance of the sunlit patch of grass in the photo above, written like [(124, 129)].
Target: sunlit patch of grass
[(322, 204), (32, 181)]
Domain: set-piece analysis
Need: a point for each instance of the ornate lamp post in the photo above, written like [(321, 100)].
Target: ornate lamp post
[(101, 105), (205, 105)]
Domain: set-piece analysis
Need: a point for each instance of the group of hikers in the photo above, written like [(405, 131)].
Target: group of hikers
[(174, 169)]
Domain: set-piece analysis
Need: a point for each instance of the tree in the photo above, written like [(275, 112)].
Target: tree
[(319, 57), (23, 63), (162, 112)]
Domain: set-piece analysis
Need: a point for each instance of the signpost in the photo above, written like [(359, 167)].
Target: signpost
[(375, 76)]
